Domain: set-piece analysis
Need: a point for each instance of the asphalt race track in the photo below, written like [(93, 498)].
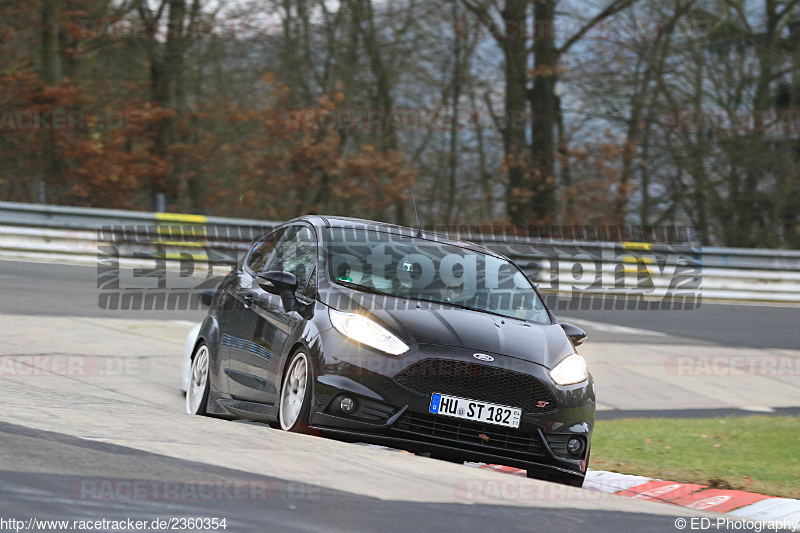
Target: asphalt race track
[(109, 440), (28, 491)]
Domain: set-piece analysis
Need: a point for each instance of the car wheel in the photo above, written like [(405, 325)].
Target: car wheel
[(197, 391), (295, 402)]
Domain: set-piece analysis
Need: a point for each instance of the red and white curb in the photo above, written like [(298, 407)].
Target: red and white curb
[(737, 503)]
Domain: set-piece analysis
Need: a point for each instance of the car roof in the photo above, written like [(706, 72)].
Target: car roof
[(325, 221)]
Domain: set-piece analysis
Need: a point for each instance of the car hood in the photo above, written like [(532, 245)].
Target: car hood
[(426, 323)]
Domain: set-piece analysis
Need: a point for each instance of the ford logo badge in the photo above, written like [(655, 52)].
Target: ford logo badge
[(483, 357)]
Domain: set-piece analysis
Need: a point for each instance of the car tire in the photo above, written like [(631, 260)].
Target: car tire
[(296, 393), (199, 386)]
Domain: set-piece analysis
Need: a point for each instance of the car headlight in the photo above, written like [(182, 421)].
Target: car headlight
[(362, 329), (570, 371)]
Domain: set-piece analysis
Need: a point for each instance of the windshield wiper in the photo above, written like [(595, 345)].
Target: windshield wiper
[(363, 288), (373, 290), (468, 308)]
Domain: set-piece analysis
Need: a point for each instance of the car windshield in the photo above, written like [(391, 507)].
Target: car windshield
[(380, 262)]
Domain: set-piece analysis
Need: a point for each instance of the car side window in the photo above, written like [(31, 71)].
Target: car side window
[(263, 250), (296, 253), (311, 287)]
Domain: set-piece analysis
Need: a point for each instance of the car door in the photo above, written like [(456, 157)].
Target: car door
[(295, 253), (245, 358)]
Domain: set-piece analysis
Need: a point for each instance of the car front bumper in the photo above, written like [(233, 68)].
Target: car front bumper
[(392, 410)]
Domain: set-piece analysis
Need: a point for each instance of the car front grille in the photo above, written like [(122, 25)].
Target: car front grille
[(494, 438), (477, 382)]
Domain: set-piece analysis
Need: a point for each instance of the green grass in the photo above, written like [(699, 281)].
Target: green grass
[(753, 453)]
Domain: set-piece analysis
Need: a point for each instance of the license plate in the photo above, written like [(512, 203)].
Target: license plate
[(477, 411)]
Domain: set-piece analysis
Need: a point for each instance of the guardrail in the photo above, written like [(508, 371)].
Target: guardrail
[(564, 267)]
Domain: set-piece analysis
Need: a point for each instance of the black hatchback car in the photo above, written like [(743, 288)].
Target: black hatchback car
[(370, 332)]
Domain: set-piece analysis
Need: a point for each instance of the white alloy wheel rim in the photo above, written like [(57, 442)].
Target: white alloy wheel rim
[(293, 392), (197, 380)]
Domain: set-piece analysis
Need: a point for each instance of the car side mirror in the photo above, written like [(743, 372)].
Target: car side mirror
[(277, 282), (575, 334), (206, 297), (284, 284)]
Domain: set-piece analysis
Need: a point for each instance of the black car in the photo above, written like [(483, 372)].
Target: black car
[(370, 332)]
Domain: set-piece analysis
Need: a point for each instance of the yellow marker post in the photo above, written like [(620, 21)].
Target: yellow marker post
[(646, 246)]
